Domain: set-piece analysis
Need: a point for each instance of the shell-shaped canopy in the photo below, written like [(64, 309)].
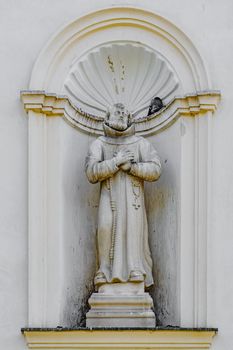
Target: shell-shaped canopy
[(124, 72)]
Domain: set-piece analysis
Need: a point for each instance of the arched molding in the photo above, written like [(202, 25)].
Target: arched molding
[(106, 25)]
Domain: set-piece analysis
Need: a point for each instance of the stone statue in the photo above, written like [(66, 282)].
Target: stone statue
[(121, 161)]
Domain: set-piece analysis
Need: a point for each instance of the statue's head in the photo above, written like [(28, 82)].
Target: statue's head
[(118, 117)]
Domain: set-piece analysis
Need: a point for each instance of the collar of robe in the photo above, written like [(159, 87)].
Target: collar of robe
[(119, 137)]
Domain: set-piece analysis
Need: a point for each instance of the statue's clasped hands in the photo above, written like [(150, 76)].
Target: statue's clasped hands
[(124, 159)]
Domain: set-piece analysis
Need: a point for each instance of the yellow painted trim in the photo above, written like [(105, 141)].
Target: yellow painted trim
[(120, 339), (52, 105)]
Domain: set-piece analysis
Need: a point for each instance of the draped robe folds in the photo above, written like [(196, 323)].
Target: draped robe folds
[(122, 238)]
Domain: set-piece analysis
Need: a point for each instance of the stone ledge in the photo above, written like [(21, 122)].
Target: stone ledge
[(169, 338), (53, 105)]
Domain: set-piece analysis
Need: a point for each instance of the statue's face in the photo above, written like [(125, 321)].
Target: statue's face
[(118, 118)]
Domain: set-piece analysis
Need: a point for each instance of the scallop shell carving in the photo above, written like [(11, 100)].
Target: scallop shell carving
[(123, 72)]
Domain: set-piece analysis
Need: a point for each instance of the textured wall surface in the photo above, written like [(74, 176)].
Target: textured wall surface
[(81, 201), (162, 202), (25, 28)]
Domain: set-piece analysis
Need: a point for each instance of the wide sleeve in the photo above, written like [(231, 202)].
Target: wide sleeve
[(149, 167), (98, 169)]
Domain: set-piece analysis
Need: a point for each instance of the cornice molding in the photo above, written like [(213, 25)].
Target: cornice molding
[(53, 105), (120, 339)]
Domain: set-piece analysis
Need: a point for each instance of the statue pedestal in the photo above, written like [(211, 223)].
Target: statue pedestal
[(121, 305)]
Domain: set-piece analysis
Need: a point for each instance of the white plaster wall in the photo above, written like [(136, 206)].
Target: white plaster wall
[(163, 208), (25, 26), (80, 208)]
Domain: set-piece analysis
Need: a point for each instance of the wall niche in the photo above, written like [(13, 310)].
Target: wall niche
[(74, 81)]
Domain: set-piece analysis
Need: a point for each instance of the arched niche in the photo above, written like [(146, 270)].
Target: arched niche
[(63, 206)]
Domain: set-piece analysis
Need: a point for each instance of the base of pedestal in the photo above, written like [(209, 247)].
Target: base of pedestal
[(121, 305), (168, 338)]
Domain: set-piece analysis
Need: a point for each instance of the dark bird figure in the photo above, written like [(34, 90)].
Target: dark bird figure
[(155, 105)]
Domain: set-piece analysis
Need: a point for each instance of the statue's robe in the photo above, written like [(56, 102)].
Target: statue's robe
[(122, 238)]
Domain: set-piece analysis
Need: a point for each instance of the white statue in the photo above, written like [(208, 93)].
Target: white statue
[(121, 162)]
